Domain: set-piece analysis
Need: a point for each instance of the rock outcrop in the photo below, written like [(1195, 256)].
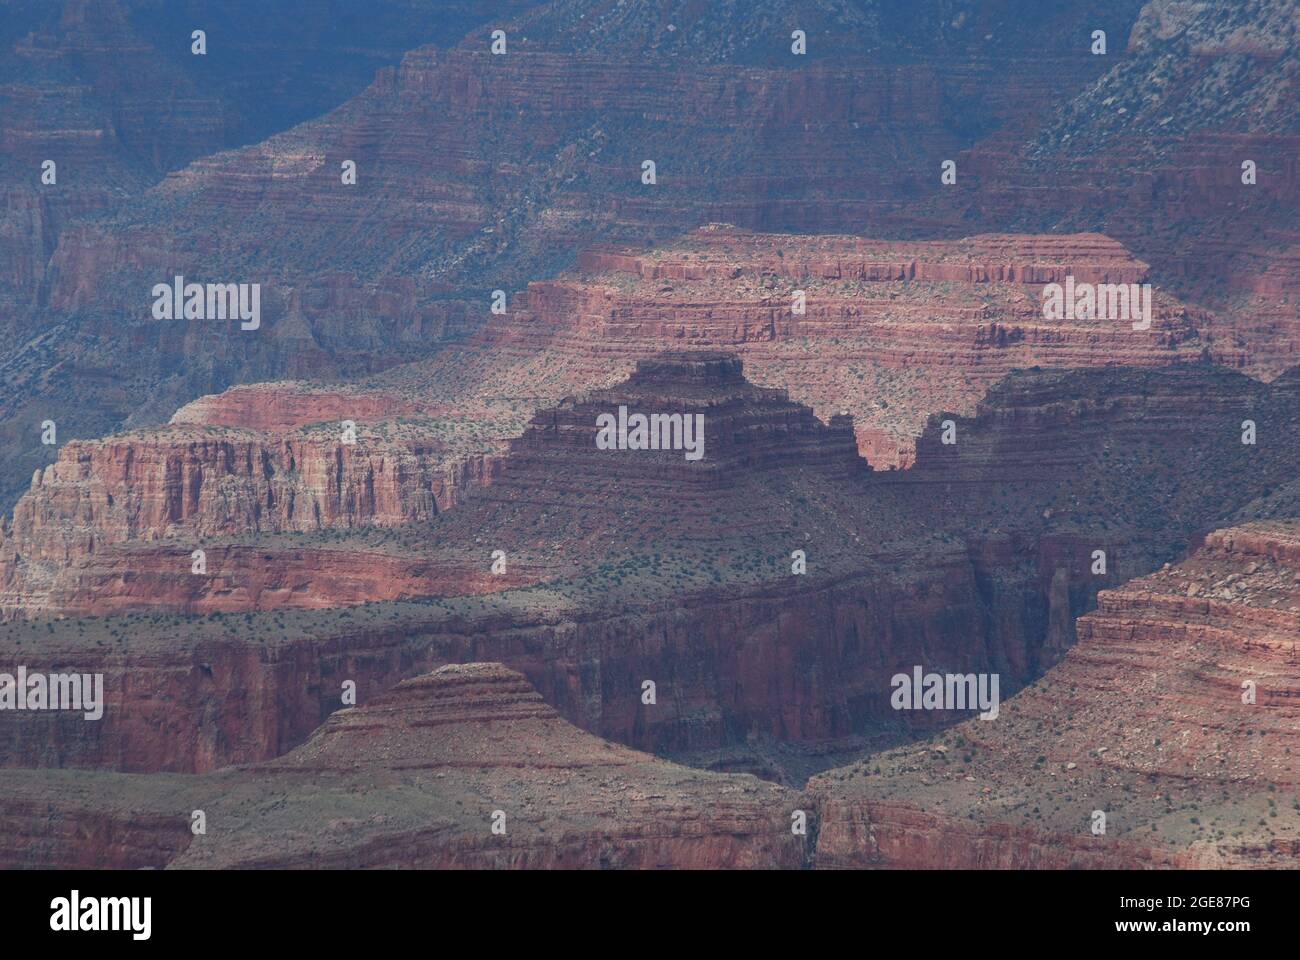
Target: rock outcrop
[(916, 469), (316, 460), (463, 767), (1185, 151), (1175, 716), (1138, 145), (889, 333), (768, 589), (108, 92)]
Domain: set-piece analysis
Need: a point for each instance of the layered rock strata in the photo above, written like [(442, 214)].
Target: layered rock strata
[(770, 588), (466, 767), (1175, 717)]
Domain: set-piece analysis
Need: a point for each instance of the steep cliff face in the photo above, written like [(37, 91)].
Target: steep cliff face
[(178, 488), (476, 171), (1219, 245), (1054, 424), (44, 830), (464, 767), (110, 91), (499, 174), (222, 486), (1185, 151), (744, 132), (109, 94), (585, 527), (901, 319), (248, 577), (569, 180), (181, 486), (781, 662), (770, 588), (1174, 716), (78, 89), (887, 331)]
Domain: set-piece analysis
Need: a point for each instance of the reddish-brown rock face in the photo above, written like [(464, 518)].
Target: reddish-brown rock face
[(811, 666), (240, 572), (464, 767), (475, 172), (848, 138), (583, 504), (888, 332), (180, 486), (1175, 716), (98, 87), (129, 489), (99, 99), (285, 406), (622, 566), (1199, 179), (722, 430)]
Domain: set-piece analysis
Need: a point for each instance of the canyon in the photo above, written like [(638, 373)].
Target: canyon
[(978, 557), (1146, 720), (482, 172), (1175, 715), (877, 319), (464, 767), (365, 585)]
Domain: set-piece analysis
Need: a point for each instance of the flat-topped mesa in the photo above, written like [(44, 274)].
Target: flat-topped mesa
[(909, 327), (724, 252), (687, 370), (285, 406), (259, 459), (354, 279), (112, 523), (110, 527), (185, 484), (639, 554), (338, 265)]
